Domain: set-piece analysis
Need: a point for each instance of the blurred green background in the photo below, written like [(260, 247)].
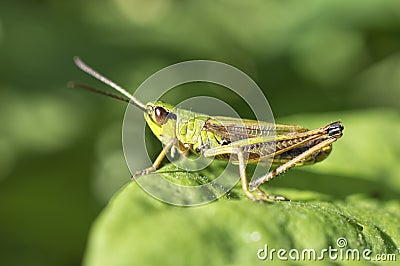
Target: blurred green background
[(60, 149)]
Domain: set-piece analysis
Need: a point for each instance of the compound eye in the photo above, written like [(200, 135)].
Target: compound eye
[(160, 114)]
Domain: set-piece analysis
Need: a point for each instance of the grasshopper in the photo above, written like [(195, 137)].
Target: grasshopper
[(240, 141)]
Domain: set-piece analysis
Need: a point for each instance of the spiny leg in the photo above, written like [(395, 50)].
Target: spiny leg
[(284, 167), (157, 162), (235, 148), (243, 177)]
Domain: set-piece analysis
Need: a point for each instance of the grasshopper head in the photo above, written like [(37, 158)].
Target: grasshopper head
[(161, 120)]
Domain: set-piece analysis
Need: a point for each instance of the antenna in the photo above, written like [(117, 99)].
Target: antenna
[(72, 84), (79, 63)]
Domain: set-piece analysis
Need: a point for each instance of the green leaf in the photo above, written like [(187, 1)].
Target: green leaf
[(348, 196)]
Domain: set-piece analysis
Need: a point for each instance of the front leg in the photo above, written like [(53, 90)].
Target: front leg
[(157, 162)]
